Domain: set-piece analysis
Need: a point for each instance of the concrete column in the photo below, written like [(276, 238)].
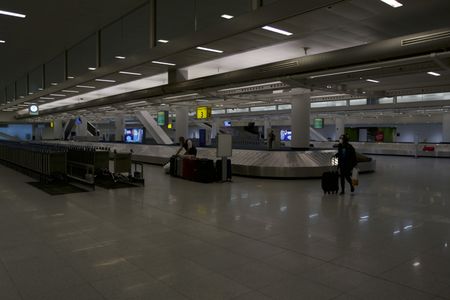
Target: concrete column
[(267, 127), (119, 124), (58, 130), (300, 122), (446, 128), (182, 123), (339, 127)]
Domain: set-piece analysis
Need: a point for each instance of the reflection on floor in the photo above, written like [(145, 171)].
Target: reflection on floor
[(250, 239)]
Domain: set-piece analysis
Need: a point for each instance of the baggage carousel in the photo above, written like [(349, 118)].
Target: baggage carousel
[(254, 163)]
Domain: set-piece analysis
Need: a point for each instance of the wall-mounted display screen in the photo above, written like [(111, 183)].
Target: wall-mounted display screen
[(133, 135), (285, 135), (227, 123), (318, 123), (163, 117)]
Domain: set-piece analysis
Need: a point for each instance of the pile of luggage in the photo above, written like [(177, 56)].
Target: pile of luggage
[(198, 169)]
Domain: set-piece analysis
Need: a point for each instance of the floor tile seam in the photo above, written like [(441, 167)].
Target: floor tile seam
[(378, 277), (12, 280)]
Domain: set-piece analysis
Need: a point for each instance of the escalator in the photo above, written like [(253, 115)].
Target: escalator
[(91, 129)]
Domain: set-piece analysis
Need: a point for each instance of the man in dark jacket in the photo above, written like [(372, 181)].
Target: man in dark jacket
[(346, 162)]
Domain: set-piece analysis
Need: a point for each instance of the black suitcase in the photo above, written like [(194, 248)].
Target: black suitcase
[(219, 169), (330, 182), (173, 166), (204, 171)]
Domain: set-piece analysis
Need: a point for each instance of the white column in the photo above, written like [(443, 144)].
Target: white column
[(58, 129), (182, 123), (300, 122), (339, 127), (267, 127), (119, 124), (446, 128)]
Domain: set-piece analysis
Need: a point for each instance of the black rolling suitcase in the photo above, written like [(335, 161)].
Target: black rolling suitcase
[(173, 166), (330, 179), (219, 169), (205, 171)]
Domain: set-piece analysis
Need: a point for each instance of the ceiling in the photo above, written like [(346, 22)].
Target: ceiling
[(350, 23)]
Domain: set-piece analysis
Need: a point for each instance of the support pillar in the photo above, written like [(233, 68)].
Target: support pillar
[(267, 128), (182, 123), (119, 123), (58, 129), (446, 128), (339, 127), (300, 122)]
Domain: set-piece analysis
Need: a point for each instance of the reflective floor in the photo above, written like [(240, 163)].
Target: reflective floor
[(250, 239)]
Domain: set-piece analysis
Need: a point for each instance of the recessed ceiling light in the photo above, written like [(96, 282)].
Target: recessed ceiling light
[(92, 68), (433, 74), (228, 17), (393, 3), (2, 41), (371, 80), (86, 86), (120, 57), (130, 73), (209, 49), (104, 80), (70, 77), (163, 63), (163, 41), (70, 91), (12, 14), (276, 30)]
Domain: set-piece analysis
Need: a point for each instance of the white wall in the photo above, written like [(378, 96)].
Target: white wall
[(430, 133)]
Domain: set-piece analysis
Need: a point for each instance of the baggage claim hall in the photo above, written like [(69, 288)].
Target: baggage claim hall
[(224, 149)]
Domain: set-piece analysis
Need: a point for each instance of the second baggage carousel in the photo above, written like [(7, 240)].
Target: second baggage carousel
[(254, 163)]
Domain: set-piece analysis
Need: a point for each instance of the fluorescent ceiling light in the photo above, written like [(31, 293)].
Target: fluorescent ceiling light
[(47, 98), (92, 68), (130, 73), (120, 57), (228, 17), (250, 86), (2, 41), (86, 86), (53, 83), (371, 80), (181, 96), (276, 30), (136, 103), (209, 49), (343, 72), (58, 95), (70, 91), (105, 80), (12, 14), (70, 77), (392, 3), (433, 74), (163, 41), (163, 63)]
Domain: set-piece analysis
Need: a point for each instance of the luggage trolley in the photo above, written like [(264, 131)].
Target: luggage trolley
[(123, 164)]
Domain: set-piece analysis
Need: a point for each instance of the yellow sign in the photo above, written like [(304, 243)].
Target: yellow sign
[(169, 125), (203, 112), (52, 124)]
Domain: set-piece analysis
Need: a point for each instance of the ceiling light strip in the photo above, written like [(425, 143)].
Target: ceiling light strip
[(70, 91), (251, 86), (181, 96), (393, 3), (86, 86), (130, 73), (277, 30), (209, 49), (104, 80), (12, 14), (434, 74), (372, 80), (163, 63)]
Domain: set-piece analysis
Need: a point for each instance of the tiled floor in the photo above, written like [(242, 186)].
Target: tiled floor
[(250, 239)]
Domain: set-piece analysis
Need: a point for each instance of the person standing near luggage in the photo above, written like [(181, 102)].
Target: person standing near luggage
[(346, 162), (188, 146)]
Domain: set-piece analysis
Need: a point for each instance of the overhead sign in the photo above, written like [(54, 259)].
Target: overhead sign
[(203, 112), (318, 123), (163, 118), (33, 109)]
